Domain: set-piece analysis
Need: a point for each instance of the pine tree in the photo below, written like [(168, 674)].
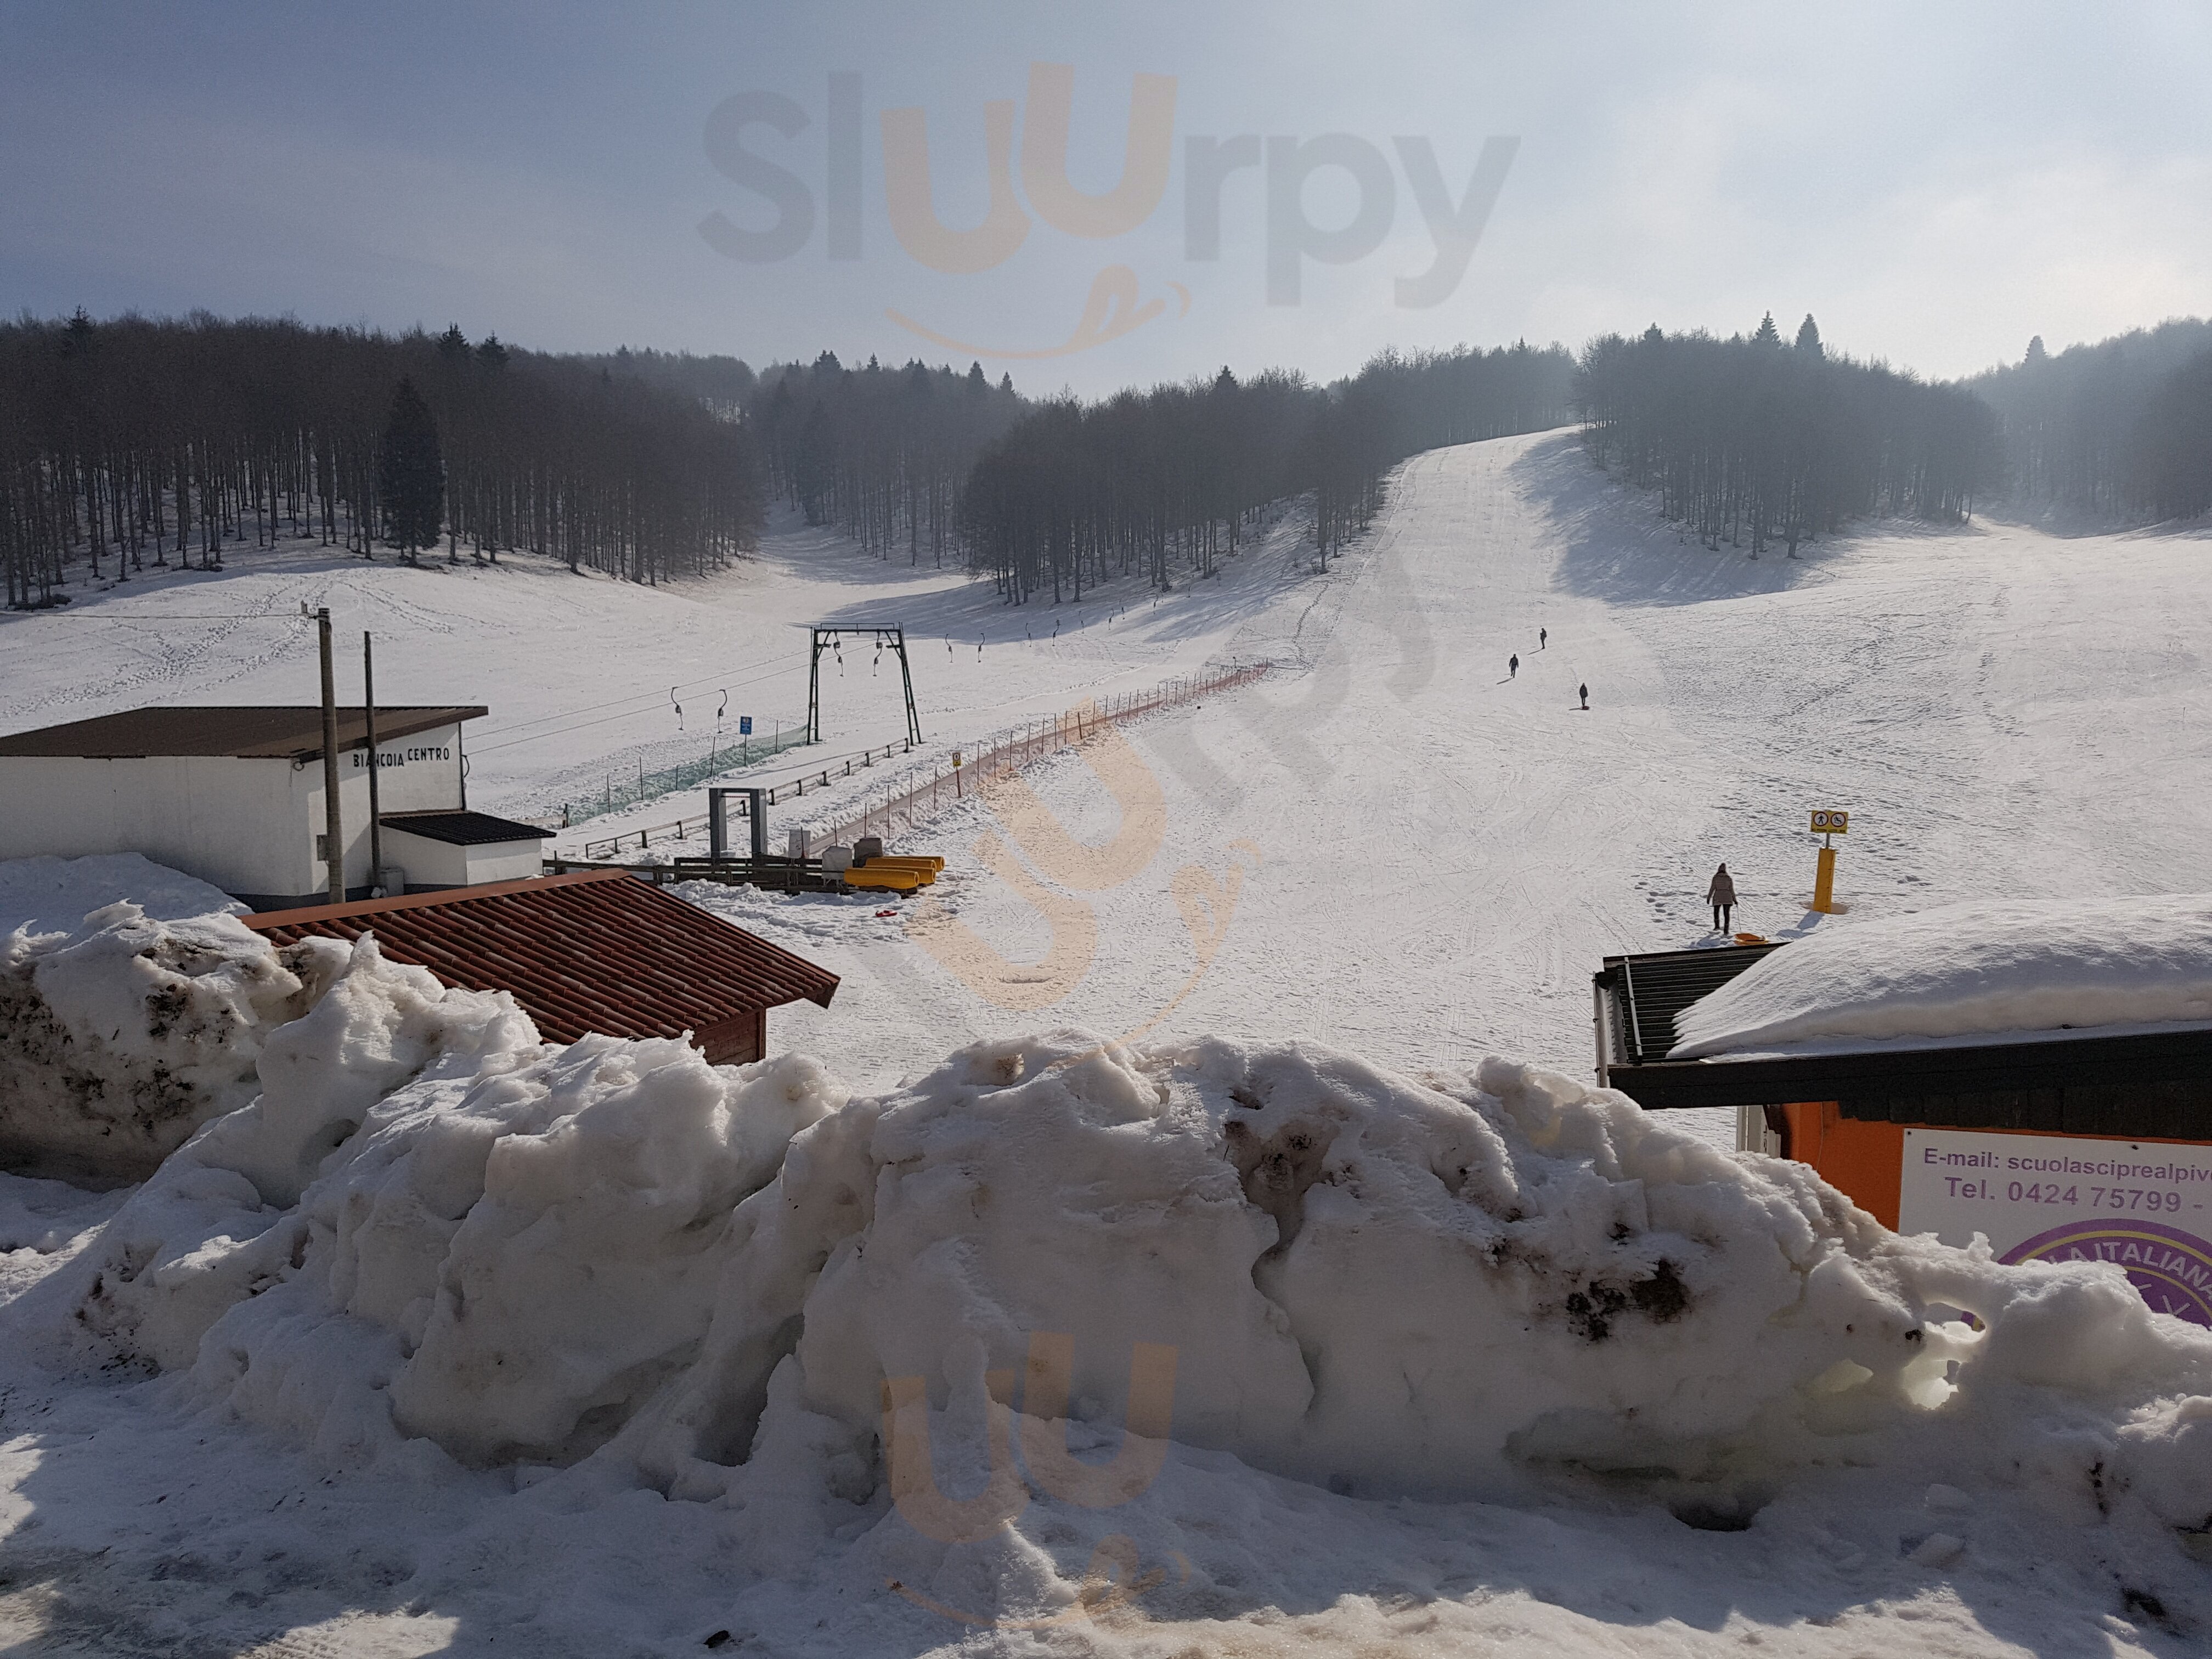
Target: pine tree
[(1768, 335), (976, 380), (491, 353), (410, 473), (453, 344), (2036, 353), (1808, 338)]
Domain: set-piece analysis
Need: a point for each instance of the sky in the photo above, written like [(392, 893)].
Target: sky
[(1934, 184)]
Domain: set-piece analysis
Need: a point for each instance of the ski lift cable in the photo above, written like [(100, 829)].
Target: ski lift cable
[(768, 663)]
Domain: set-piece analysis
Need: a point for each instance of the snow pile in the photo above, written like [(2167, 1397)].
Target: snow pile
[(734, 1286), (430, 1218), (1965, 969), (43, 894), (120, 1036), (1350, 1278)]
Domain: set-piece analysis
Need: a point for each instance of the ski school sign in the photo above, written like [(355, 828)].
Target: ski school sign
[(2145, 1206)]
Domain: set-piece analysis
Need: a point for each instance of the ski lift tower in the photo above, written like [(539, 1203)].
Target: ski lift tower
[(831, 639)]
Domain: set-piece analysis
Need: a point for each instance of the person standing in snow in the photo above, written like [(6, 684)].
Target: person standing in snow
[(1584, 688), (1513, 666), (1543, 638), (1722, 897)]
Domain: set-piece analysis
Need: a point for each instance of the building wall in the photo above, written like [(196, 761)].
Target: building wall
[(434, 863), (236, 823), (246, 826), (506, 860)]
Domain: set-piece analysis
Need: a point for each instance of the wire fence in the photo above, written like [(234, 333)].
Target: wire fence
[(651, 785), (906, 804), (824, 776)]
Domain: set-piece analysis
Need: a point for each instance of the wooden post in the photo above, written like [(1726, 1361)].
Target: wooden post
[(368, 710), (333, 819)]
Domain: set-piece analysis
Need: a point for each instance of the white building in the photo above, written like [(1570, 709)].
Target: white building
[(235, 796)]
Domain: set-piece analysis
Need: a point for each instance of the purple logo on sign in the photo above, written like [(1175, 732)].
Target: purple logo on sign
[(2170, 1269)]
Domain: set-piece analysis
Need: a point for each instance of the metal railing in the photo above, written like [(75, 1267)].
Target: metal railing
[(908, 804)]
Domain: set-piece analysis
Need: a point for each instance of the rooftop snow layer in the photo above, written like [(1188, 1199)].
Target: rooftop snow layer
[(1968, 969)]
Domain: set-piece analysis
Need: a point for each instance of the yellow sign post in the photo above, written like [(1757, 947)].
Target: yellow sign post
[(1827, 824)]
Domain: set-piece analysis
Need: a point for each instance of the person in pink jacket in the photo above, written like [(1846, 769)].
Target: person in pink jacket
[(1722, 897)]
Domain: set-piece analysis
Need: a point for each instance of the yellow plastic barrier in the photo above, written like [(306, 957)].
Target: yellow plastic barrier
[(924, 866), (876, 876)]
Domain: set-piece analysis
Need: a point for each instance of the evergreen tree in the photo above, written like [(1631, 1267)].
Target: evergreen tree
[(410, 473), (1768, 335), (453, 344), (491, 353), (1808, 338), (2036, 353)]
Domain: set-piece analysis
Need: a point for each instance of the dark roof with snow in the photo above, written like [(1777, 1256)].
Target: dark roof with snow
[(597, 951), (461, 829), (1649, 990), (263, 733), (2155, 1084)]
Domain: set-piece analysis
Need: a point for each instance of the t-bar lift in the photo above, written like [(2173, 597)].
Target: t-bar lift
[(829, 639)]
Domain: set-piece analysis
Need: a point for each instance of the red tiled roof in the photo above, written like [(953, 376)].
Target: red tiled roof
[(597, 951)]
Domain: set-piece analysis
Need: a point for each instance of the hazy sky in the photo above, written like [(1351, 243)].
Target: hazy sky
[(1935, 182)]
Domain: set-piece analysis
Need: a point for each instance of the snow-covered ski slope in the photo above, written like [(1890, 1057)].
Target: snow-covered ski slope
[(1392, 844), (1434, 853)]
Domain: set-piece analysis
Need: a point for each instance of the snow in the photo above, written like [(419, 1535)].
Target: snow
[(250, 1407), (121, 1036), (2049, 967), (605, 1349), (49, 895)]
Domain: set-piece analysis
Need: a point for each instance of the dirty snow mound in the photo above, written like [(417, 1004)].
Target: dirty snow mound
[(121, 1036), (1964, 970), (431, 1218), (1059, 1270), (1342, 1275)]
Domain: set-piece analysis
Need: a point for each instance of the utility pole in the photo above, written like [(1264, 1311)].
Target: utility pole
[(333, 819), (368, 710)]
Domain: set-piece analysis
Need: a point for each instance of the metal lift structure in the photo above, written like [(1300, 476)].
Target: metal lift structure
[(831, 640)]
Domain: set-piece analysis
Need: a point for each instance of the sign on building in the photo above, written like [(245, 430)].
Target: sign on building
[(2145, 1206)]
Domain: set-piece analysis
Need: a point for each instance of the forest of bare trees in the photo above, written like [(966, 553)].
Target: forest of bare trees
[(1751, 441), (136, 443), (879, 453), (1171, 480), (2119, 431)]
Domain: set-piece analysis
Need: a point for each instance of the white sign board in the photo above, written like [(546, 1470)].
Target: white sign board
[(2146, 1206)]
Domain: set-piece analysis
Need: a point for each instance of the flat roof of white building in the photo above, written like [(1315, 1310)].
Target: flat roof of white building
[(251, 733)]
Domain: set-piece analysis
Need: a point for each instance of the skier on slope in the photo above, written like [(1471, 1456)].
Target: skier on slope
[(1513, 666), (1722, 897), (1585, 691)]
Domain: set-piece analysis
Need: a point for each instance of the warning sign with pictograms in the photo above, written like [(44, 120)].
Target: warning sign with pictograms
[(1831, 823)]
